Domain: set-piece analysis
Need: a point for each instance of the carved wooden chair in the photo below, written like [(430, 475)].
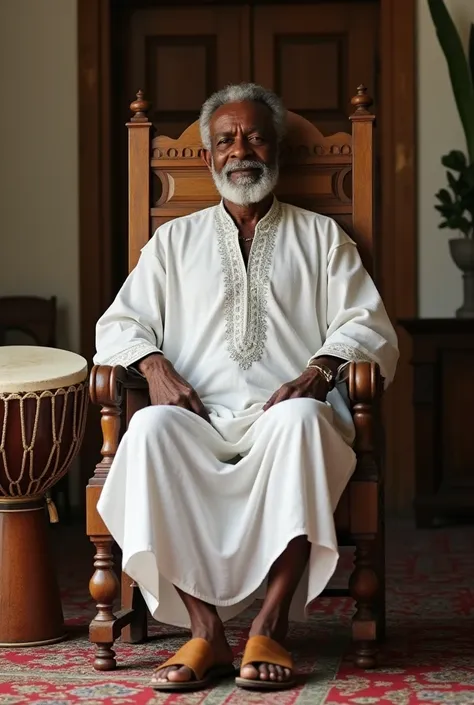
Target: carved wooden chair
[(32, 316), (167, 178)]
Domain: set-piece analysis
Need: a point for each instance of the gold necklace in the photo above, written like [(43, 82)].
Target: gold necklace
[(245, 239)]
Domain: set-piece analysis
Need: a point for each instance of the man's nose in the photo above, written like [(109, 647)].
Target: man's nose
[(241, 149)]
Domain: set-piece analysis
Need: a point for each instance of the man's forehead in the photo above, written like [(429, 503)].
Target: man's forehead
[(248, 114)]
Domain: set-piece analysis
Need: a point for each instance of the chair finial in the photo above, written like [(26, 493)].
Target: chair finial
[(362, 101), (139, 108)]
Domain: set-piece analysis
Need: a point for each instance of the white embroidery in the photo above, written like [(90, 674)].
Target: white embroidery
[(245, 297), (131, 355), (345, 352)]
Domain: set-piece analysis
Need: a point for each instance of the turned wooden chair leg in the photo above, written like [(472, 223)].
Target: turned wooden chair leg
[(365, 589), (133, 599), (107, 389), (103, 587)]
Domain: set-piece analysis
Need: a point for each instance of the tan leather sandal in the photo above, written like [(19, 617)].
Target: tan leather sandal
[(262, 649), (197, 655)]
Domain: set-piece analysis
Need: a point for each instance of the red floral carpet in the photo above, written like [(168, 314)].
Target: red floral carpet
[(428, 658)]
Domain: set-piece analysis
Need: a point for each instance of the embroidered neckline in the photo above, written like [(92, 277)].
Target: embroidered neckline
[(246, 290)]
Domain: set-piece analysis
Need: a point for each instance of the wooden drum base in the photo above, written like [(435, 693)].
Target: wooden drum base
[(30, 604)]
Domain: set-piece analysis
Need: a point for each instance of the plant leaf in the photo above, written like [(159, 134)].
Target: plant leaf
[(471, 52), (469, 176), (465, 226), (444, 196), (460, 74), (452, 181), (445, 210), (455, 160)]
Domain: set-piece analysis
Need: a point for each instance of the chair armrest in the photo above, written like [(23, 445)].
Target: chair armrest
[(365, 387), (365, 382), (107, 384), (120, 393)]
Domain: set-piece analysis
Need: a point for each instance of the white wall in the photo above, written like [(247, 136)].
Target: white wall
[(439, 131), (39, 156)]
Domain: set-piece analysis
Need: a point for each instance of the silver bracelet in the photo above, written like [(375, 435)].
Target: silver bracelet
[(343, 372), (324, 372)]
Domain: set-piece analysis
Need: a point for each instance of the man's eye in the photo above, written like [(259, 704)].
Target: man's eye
[(224, 140), (256, 138)]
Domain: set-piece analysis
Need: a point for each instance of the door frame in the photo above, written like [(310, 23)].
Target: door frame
[(397, 256)]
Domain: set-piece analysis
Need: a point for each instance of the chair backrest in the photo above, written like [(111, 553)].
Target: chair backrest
[(332, 175), (33, 317)]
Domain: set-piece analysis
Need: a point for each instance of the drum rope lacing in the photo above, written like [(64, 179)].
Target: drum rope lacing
[(80, 400)]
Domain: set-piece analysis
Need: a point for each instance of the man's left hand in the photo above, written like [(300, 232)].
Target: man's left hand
[(311, 384)]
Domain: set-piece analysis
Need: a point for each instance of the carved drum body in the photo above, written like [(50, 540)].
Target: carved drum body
[(43, 407)]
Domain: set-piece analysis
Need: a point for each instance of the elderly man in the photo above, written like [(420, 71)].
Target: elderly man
[(242, 318)]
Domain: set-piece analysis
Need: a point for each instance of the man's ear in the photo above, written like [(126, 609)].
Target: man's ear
[(207, 158)]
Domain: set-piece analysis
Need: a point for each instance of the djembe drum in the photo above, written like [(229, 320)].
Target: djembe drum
[(43, 406)]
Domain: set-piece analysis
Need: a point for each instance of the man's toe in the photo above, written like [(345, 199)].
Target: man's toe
[(249, 672), (180, 675), (272, 672), (161, 676)]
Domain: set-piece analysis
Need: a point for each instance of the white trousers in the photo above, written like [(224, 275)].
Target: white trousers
[(185, 515)]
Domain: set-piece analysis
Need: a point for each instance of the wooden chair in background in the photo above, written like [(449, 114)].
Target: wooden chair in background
[(332, 175), (33, 317)]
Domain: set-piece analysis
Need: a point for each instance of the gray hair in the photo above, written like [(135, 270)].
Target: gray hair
[(238, 93)]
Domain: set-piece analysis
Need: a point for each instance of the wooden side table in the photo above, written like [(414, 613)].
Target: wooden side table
[(443, 360)]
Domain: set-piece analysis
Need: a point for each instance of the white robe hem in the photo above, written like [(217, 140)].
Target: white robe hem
[(326, 574)]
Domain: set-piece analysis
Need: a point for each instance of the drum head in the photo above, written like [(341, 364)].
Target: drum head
[(28, 368)]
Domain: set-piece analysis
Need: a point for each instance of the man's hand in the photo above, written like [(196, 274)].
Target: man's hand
[(168, 388), (311, 384)]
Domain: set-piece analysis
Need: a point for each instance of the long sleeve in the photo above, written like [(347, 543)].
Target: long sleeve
[(132, 326), (359, 328)]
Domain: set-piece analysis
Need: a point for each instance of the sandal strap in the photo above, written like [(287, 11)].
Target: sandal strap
[(196, 654), (262, 649)]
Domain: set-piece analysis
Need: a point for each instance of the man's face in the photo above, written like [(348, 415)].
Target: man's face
[(244, 152)]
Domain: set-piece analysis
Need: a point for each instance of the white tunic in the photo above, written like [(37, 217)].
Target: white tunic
[(208, 508)]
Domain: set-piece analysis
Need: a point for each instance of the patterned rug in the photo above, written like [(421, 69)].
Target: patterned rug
[(428, 658)]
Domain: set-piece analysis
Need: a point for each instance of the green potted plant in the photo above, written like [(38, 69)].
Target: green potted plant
[(456, 202)]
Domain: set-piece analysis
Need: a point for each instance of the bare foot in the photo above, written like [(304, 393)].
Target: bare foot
[(276, 628), (213, 632)]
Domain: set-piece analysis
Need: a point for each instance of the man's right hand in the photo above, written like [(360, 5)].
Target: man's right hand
[(167, 387)]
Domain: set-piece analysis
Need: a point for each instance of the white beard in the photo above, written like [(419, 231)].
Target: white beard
[(246, 189)]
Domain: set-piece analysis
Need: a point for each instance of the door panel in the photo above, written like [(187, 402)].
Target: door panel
[(182, 55), (315, 56), (178, 56)]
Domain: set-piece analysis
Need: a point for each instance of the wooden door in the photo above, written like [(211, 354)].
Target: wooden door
[(178, 56), (314, 57), (182, 55)]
